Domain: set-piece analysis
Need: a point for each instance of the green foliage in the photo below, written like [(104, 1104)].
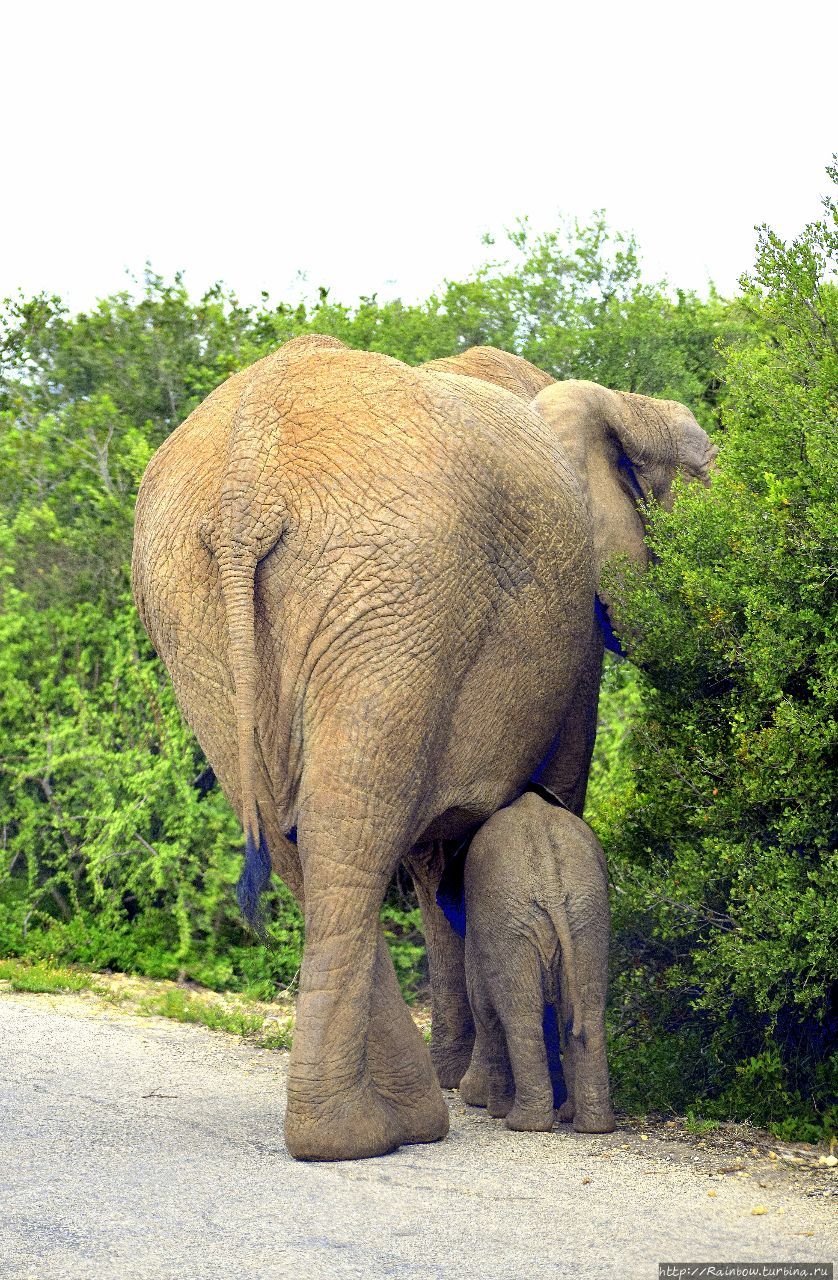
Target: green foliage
[(698, 1125), (402, 923), (181, 1006), (721, 829), (114, 859), (712, 782), (43, 978)]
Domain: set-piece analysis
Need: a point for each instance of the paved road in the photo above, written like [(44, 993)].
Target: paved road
[(138, 1149)]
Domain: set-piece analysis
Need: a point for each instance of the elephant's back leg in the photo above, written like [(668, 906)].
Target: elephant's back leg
[(589, 919), (488, 1081), (452, 1024), (361, 1079)]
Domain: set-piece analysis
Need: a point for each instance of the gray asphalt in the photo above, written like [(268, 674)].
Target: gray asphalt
[(139, 1149)]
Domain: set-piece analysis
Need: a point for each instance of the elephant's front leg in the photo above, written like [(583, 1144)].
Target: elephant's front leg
[(452, 1024)]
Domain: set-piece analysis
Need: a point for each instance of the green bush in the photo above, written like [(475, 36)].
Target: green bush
[(721, 830), (114, 859)]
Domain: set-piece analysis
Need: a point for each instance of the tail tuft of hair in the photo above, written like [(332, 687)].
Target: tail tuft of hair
[(253, 881)]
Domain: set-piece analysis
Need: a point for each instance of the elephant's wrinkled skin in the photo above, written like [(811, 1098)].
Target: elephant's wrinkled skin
[(452, 1026), (538, 923), (498, 367), (373, 587)]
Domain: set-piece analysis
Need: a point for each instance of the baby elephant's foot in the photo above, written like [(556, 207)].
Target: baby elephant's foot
[(474, 1087), (532, 1120), (566, 1111), (499, 1104), (594, 1120)]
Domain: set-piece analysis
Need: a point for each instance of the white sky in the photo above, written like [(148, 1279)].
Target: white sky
[(371, 144)]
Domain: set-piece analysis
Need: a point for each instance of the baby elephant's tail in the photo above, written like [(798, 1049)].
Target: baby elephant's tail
[(557, 910)]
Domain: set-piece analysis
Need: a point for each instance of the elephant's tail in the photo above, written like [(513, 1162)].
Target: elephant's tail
[(252, 519), (251, 522), (237, 569)]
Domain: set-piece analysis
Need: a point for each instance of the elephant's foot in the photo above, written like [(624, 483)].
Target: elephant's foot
[(530, 1119), (566, 1111), (499, 1104), (413, 1096), (474, 1086), (450, 1061), (594, 1120), (346, 1127), (424, 1119)]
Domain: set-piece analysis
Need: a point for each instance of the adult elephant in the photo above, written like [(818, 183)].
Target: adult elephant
[(373, 587)]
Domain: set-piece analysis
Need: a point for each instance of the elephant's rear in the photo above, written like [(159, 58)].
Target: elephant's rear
[(412, 552), (172, 501), (461, 594)]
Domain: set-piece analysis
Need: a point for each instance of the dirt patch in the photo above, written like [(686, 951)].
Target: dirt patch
[(731, 1152)]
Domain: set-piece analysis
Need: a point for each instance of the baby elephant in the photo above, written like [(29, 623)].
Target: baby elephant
[(537, 931)]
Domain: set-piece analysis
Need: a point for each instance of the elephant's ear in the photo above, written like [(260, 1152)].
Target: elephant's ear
[(624, 449)]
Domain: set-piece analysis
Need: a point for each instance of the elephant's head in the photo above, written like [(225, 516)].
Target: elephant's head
[(625, 449)]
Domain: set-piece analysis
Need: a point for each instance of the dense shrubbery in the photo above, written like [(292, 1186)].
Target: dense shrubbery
[(720, 820), (114, 854)]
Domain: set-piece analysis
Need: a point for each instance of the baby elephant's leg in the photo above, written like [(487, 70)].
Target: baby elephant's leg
[(520, 1004), (565, 1013), (591, 1107), (488, 1081), (474, 1086), (500, 1086), (589, 1101)]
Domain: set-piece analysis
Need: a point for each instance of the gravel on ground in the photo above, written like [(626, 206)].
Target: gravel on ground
[(138, 1148)]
